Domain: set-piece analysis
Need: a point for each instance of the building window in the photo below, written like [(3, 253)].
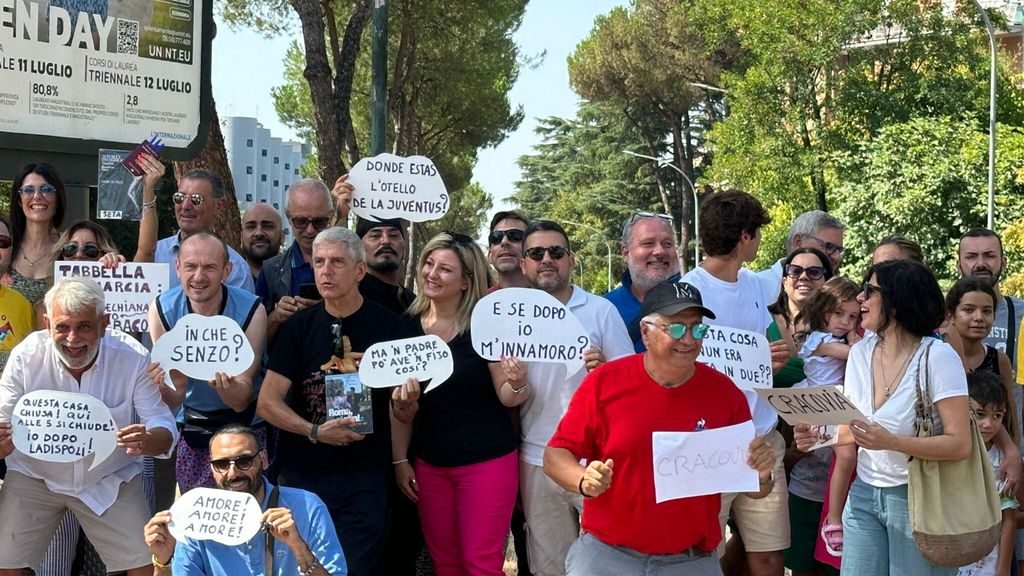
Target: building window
[(263, 152), (277, 183), (296, 172), (287, 166), (248, 142), (277, 160), (248, 169), (263, 177), (264, 200), (276, 206), (248, 197)]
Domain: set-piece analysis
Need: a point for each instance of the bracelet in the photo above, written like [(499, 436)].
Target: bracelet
[(517, 390), (148, 205), (402, 461), (312, 434), (157, 563), (308, 571), (580, 487)]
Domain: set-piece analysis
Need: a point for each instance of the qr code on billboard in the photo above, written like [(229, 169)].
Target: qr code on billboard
[(127, 36)]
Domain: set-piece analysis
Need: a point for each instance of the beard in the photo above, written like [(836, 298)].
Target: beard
[(387, 265), (81, 362), (644, 281), (243, 483)]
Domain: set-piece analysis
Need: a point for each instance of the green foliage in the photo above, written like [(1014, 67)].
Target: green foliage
[(773, 236)]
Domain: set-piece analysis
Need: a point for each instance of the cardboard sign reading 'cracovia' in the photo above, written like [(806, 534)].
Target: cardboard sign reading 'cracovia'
[(231, 518), (818, 405), (426, 358), (742, 355), (530, 325), (388, 186), (128, 289), (57, 426), (200, 346)]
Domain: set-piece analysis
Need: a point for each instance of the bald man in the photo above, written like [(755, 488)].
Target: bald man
[(261, 236)]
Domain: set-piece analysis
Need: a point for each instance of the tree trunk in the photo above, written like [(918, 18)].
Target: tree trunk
[(214, 158), (685, 167), (344, 73)]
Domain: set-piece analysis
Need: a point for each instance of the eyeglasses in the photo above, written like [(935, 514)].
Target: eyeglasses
[(179, 198), (242, 463), (830, 248), (87, 250), (801, 336), (44, 189), (459, 238), (5, 242), (300, 223), (537, 252), (513, 235), (647, 214), (794, 271), (869, 289), (677, 331)]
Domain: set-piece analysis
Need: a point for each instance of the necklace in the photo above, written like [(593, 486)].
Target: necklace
[(896, 379), (32, 263)]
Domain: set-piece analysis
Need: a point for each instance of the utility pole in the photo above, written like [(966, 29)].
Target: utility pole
[(379, 60)]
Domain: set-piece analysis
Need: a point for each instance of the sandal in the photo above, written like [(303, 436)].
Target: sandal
[(832, 535)]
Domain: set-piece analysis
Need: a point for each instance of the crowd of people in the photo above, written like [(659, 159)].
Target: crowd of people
[(561, 460)]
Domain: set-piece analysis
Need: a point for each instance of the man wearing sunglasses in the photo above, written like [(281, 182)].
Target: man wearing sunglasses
[(505, 248), (200, 194), (649, 249), (730, 232), (610, 422), (552, 513), (384, 243), (308, 207), (813, 229), (297, 534)]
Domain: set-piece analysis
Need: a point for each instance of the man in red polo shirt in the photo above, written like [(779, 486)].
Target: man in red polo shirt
[(610, 422)]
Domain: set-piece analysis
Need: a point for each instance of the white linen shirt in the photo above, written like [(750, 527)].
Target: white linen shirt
[(552, 388), (118, 378)]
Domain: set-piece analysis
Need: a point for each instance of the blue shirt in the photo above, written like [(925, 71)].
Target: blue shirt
[(629, 308), (206, 557), (240, 277)]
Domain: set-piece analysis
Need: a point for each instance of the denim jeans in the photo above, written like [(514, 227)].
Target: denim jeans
[(877, 538)]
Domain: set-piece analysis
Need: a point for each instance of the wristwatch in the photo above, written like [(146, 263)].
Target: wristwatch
[(312, 434)]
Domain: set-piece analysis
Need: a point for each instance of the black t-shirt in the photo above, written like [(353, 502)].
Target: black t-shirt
[(391, 296), (303, 344), (462, 421)]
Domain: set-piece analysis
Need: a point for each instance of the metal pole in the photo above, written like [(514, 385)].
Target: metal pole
[(379, 63), (608, 245), (991, 114)]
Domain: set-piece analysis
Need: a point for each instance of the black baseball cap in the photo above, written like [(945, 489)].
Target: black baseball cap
[(669, 298), (363, 225)]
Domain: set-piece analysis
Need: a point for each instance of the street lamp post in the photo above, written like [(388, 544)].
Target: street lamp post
[(693, 189), (991, 114), (607, 244)]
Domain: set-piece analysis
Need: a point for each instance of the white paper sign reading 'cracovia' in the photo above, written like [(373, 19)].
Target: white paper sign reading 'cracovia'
[(742, 355), (530, 325), (58, 426), (818, 405), (426, 358), (710, 461), (200, 346), (388, 186), (224, 516)]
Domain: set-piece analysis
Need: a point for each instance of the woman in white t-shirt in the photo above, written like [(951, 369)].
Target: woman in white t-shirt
[(901, 303)]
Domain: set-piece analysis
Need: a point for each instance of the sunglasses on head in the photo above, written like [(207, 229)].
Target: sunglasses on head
[(459, 238), (300, 223), (677, 331), (537, 252), (794, 271), (88, 250), (195, 199), (44, 189), (513, 235), (648, 214), (242, 463), (5, 242)]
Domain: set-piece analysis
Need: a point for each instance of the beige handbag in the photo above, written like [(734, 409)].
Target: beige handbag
[(954, 505)]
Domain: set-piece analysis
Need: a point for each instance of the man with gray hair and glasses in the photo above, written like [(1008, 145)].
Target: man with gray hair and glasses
[(649, 249), (813, 229), (76, 353)]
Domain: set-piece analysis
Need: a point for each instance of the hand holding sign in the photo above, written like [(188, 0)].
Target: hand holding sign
[(817, 405), (201, 346), (742, 355), (231, 518), (388, 186), (425, 358), (57, 426), (530, 325)]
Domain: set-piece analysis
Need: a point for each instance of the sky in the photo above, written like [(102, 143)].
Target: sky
[(246, 66)]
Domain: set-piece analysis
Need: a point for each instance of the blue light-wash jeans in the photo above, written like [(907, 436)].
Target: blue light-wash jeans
[(877, 538)]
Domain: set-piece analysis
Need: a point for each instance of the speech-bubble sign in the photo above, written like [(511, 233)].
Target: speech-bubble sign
[(224, 516), (742, 355), (712, 461), (57, 426), (426, 358), (128, 289), (388, 186), (200, 346), (530, 325), (818, 405)]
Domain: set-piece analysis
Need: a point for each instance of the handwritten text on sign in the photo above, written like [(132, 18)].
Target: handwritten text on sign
[(742, 355), (817, 405), (128, 289), (530, 325), (426, 358), (200, 346), (388, 186), (711, 461), (57, 426), (231, 518)]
